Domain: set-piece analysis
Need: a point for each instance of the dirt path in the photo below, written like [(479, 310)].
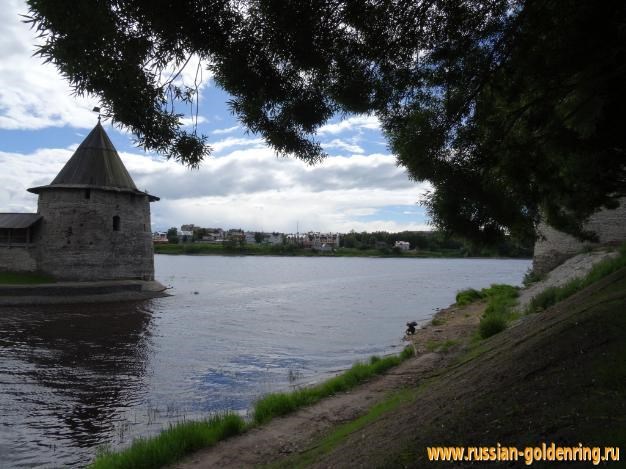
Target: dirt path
[(436, 346)]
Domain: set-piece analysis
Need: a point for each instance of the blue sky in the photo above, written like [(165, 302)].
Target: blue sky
[(242, 185)]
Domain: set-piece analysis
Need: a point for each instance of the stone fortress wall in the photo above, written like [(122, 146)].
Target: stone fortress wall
[(556, 247), (82, 241), (18, 258)]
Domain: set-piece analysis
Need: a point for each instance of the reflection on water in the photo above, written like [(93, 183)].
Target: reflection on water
[(67, 374), (75, 377)]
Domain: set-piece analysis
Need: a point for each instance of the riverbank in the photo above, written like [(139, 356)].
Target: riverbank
[(558, 377), (554, 376), (434, 345), (290, 250)]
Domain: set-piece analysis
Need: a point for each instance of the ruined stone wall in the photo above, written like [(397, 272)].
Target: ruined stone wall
[(77, 239), (609, 225), (18, 258)]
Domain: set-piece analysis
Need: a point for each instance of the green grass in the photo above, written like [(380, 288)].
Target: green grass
[(181, 439), (465, 297), (278, 404), (491, 325), (531, 277), (553, 295), (438, 322), (16, 278), (501, 301), (172, 444)]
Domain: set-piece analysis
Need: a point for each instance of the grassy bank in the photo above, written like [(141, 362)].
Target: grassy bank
[(290, 250), (501, 301), (277, 404), (23, 278), (557, 377), (172, 444), (184, 438)]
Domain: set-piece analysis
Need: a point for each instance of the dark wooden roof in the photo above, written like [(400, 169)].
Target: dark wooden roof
[(18, 220), (94, 164)]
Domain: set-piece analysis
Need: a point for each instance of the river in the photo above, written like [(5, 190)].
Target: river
[(74, 378)]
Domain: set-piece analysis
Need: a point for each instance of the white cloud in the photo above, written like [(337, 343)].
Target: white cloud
[(225, 131), (190, 121), (229, 142), (33, 95), (248, 187), (343, 145), (352, 123)]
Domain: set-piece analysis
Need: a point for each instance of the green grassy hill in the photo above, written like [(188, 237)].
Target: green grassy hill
[(558, 376)]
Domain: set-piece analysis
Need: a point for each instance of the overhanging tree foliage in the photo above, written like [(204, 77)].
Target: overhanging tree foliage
[(509, 108)]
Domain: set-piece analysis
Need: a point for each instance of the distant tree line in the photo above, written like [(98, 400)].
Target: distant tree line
[(435, 241)]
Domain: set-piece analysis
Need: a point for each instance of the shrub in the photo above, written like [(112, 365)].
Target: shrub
[(532, 277), (465, 297), (491, 325)]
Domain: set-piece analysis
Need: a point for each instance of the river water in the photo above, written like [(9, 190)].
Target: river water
[(74, 378)]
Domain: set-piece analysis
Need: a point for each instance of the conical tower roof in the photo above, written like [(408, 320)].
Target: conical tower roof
[(95, 164)]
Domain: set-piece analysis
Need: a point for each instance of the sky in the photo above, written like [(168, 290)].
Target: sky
[(244, 184)]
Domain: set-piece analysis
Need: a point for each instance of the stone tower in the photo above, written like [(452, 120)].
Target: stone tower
[(95, 222)]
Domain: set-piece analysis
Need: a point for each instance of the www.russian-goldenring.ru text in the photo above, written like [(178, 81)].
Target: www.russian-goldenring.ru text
[(529, 455)]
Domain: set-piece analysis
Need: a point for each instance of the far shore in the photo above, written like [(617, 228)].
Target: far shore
[(292, 251)]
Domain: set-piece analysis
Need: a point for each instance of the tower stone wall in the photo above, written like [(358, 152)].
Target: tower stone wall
[(80, 237), (553, 247), (18, 258)]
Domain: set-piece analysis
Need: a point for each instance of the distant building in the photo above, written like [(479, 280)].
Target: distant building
[(235, 235), (159, 238), (265, 238), (314, 239), (185, 236), (273, 238), (402, 245), (92, 223), (211, 235)]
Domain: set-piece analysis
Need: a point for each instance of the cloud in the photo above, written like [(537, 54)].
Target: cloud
[(190, 121), (225, 131), (235, 142), (33, 95), (248, 187), (343, 145), (352, 123)]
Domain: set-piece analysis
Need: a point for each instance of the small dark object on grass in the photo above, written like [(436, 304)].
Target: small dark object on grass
[(410, 327)]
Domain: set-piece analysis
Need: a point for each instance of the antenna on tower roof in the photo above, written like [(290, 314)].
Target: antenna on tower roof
[(97, 109)]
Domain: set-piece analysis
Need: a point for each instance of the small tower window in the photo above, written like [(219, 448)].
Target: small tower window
[(87, 193), (116, 223)]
